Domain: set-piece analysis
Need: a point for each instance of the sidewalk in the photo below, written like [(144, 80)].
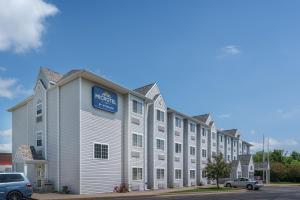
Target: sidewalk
[(56, 196)]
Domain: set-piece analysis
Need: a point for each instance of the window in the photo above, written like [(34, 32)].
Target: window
[(203, 132), (137, 107), (39, 139), (8, 178), (160, 144), (221, 138), (178, 122), (234, 143), (160, 115), (100, 151), (214, 154), (137, 174), (192, 151), (213, 136), (177, 148), (228, 141), (160, 174), (39, 108), (193, 127), (39, 111), (234, 158), (203, 174), (177, 174), (137, 140), (228, 157), (203, 153), (192, 174)]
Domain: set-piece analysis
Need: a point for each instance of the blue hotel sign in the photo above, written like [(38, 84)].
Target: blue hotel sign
[(104, 99)]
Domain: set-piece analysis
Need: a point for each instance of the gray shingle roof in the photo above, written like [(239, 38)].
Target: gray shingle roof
[(231, 132), (145, 89), (202, 118), (244, 159), (51, 75)]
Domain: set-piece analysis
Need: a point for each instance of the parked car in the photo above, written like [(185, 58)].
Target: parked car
[(243, 183), (14, 186)]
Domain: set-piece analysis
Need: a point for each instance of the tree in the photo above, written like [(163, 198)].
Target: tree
[(217, 168), (295, 155)]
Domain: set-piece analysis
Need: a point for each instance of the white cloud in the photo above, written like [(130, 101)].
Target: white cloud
[(224, 116), (5, 133), (274, 143), (252, 132), (10, 88), (229, 50), (288, 114), (3, 69), (5, 148), (22, 23)]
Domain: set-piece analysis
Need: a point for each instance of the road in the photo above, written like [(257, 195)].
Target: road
[(266, 193)]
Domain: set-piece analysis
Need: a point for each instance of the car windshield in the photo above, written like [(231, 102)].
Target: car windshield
[(8, 178)]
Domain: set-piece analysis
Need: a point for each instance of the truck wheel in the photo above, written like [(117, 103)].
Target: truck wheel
[(228, 185), (249, 187), (14, 195)]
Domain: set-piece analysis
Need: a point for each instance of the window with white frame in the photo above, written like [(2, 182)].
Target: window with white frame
[(203, 174), (39, 111), (203, 153), (193, 127), (192, 151), (39, 108), (137, 107), (137, 140), (213, 135), (39, 139), (203, 132), (160, 144), (177, 174), (177, 148), (160, 115), (137, 174), (100, 151), (178, 122), (192, 174), (160, 174), (221, 138)]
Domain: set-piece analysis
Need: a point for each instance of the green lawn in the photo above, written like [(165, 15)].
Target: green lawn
[(208, 189)]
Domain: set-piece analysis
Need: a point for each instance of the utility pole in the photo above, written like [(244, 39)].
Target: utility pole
[(263, 161), (268, 164)]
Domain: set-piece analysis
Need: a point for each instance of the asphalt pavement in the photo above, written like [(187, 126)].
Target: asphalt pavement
[(266, 193)]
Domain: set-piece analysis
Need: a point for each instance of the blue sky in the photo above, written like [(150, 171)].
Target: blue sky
[(238, 60)]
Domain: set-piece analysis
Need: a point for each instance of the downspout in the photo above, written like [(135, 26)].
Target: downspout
[(58, 138), (145, 145), (46, 136)]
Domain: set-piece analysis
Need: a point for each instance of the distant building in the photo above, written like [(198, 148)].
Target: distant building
[(5, 162)]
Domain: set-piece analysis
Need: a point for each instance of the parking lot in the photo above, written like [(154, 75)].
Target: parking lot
[(266, 193)]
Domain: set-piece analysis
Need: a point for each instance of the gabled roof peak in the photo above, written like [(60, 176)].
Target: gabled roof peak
[(144, 89)]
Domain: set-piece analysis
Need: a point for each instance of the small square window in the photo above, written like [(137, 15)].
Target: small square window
[(101, 151), (160, 174), (137, 174)]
